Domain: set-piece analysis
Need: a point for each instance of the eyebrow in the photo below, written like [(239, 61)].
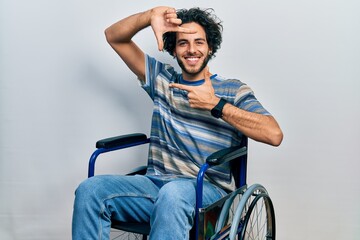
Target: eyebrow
[(186, 40)]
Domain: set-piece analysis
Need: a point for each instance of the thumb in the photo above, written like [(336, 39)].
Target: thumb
[(207, 75), (159, 39)]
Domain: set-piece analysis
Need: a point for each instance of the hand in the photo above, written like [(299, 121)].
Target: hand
[(164, 19), (202, 96)]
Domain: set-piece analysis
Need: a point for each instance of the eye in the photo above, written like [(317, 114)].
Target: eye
[(182, 43)]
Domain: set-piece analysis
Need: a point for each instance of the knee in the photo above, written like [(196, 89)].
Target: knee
[(88, 189), (177, 194), (176, 204)]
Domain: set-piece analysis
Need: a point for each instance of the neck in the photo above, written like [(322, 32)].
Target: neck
[(193, 77)]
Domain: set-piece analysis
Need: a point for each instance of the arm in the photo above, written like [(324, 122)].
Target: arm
[(256, 126), (259, 127), (120, 34), (119, 37)]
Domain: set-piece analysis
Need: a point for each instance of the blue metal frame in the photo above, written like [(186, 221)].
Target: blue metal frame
[(97, 152), (199, 195), (242, 164)]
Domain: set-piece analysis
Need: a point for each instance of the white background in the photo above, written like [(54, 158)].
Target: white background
[(62, 88)]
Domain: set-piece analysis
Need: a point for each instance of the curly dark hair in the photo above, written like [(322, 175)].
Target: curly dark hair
[(211, 24)]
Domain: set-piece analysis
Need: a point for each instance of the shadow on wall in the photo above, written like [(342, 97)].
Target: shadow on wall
[(121, 93), (121, 107)]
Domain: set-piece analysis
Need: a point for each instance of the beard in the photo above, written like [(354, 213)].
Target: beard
[(193, 72)]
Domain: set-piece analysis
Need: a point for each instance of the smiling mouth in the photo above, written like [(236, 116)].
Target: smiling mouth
[(191, 60)]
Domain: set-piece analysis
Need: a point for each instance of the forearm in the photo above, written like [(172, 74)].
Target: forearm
[(119, 36), (259, 127), (124, 30)]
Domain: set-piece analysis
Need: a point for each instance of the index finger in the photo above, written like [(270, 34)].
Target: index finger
[(180, 86), (186, 30)]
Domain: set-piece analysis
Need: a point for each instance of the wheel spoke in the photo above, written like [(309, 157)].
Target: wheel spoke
[(258, 223)]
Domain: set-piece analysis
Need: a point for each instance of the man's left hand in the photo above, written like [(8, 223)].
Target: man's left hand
[(202, 96)]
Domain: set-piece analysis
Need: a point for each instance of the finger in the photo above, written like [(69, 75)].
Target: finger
[(175, 21), (170, 15), (159, 40), (170, 10), (180, 86), (186, 30), (181, 29)]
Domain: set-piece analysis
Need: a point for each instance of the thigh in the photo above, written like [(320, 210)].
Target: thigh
[(124, 198), (176, 205), (185, 189)]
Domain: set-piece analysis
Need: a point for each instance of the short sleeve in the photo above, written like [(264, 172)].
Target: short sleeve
[(246, 100), (152, 70)]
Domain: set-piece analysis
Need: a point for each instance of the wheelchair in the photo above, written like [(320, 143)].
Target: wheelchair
[(246, 213)]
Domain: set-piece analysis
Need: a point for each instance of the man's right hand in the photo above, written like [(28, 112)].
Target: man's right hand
[(164, 19), (120, 34)]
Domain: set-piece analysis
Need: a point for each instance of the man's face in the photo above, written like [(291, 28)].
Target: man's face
[(192, 52)]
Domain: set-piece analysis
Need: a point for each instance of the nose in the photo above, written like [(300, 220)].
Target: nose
[(192, 48)]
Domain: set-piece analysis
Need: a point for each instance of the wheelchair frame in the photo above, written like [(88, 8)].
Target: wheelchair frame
[(249, 197)]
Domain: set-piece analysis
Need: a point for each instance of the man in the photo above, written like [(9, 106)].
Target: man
[(195, 114)]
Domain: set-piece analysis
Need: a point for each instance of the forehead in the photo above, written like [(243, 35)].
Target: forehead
[(200, 32)]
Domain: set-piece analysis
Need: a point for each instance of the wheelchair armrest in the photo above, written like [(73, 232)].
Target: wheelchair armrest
[(120, 140), (115, 143), (226, 155)]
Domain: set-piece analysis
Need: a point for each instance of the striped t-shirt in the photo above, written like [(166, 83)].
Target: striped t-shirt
[(182, 137)]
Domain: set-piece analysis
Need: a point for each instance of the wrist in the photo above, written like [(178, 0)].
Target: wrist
[(213, 103), (148, 16), (217, 111)]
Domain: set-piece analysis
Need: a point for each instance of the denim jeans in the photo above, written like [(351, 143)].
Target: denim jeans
[(168, 204)]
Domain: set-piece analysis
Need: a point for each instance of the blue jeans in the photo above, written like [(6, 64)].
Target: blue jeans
[(168, 204)]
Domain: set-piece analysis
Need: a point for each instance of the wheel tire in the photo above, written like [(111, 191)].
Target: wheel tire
[(259, 222), (255, 207)]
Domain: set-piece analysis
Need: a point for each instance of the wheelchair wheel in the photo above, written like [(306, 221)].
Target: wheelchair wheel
[(254, 217), (260, 219)]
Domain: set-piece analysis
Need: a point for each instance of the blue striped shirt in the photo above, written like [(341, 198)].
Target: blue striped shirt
[(182, 137)]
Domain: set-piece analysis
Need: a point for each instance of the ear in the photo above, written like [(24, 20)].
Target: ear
[(210, 52)]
